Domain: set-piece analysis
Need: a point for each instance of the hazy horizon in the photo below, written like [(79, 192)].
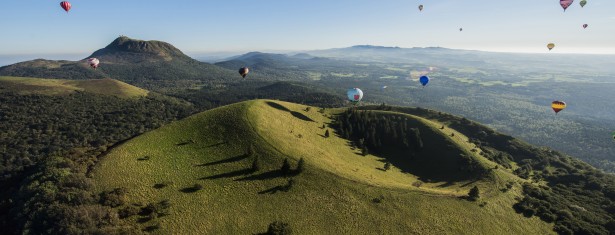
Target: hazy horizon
[(219, 55)]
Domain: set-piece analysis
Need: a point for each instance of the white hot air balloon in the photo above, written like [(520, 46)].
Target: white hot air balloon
[(93, 62), (354, 95)]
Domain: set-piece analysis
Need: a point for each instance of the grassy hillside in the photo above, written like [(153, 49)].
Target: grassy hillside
[(339, 192), (23, 85)]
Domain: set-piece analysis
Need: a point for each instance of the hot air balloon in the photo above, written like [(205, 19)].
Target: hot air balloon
[(565, 3), (558, 106), (420, 7), (550, 46), (354, 95), (65, 5), (424, 80), (460, 29), (93, 62), (585, 26), (244, 71), (583, 2)]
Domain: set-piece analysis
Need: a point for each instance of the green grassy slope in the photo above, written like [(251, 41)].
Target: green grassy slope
[(25, 85), (334, 195)]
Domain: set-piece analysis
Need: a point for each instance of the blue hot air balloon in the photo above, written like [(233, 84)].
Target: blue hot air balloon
[(424, 80)]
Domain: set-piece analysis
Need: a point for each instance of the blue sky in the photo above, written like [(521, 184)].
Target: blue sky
[(36, 27)]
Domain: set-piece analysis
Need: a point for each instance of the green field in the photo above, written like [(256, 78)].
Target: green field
[(334, 195), (113, 87)]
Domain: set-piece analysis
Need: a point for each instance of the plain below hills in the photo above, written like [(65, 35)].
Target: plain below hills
[(221, 171)]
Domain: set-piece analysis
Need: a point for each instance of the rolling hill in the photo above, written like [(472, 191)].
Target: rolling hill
[(25, 86), (197, 175)]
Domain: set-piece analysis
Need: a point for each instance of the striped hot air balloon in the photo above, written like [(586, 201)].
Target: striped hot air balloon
[(65, 5), (558, 106), (565, 3)]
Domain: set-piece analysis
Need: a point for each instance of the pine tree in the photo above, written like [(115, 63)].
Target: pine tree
[(251, 151), (364, 151), (256, 164), (327, 133), (474, 193), (285, 167), (300, 166), (387, 166)]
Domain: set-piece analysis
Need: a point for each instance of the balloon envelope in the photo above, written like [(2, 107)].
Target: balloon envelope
[(424, 80), (244, 71), (585, 26), (565, 3), (558, 106), (583, 2), (420, 7), (354, 94), (93, 62), (65, 5), (550, 46)]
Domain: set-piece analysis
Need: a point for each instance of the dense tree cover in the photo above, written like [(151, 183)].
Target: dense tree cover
[(379, 132), (399, 139), (46, 188), (579, 198)]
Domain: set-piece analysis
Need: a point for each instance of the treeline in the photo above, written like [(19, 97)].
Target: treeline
[(40, 181), (229, 93), (577, 197)]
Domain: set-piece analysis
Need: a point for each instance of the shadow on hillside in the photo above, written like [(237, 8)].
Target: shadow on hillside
[(263, 176), (276, 189), (295, 114), (301, 116), (229, 174), (228, 160), (277, 106)]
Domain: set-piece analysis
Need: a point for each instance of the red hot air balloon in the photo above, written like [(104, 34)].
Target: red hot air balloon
[(565, 3), (65, 5), (585, 26)]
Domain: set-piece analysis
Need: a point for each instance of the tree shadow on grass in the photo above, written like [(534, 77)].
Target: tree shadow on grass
[(265, 176), (301, 116), (277, 106), (295, 114), (229, 174), (228, 160), (282, 188)]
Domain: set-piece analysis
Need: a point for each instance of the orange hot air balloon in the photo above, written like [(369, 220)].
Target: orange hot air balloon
[(558, 106), (550, 46)]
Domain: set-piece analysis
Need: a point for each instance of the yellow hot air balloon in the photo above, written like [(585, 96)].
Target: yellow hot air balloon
[(550, 46), (558, 106)]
